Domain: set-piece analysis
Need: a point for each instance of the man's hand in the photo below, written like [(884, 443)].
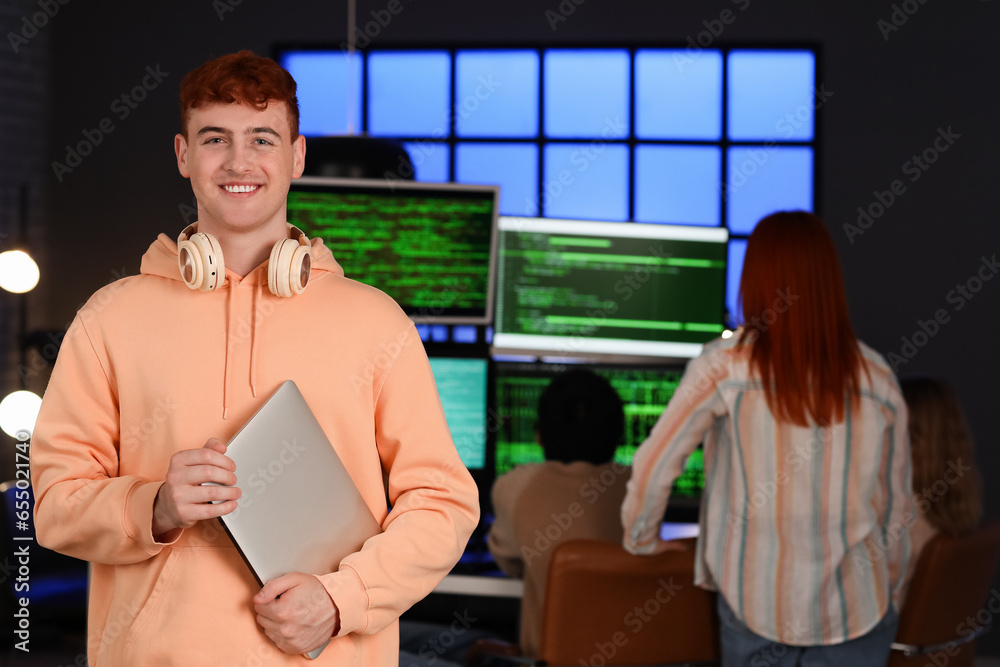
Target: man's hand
[(304, 617), (182, 501)]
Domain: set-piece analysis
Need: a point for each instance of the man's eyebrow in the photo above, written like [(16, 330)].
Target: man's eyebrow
[(211, 129)]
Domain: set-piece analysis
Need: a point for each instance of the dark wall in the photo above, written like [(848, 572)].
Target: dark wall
[(893, 93), (24, 104)]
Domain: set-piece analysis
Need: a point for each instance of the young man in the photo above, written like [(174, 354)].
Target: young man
[(159, 370), (575, 494)]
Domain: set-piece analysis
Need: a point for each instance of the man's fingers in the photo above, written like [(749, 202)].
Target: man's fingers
[(216, 445), (194, 477), (274, 588), (209, 493), (215, 510), (211, 456)]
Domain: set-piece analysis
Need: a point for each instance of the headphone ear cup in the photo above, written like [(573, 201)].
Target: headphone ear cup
[(288, 268), (199, 259)]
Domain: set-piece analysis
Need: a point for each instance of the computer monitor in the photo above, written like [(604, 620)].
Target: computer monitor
[(645, 392), (608, 290), (427, 245), (463, 385)]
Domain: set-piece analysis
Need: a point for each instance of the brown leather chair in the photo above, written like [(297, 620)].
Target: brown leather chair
[(605, 606), (949, 602)]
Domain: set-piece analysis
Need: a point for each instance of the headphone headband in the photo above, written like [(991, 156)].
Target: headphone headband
[(199, 258)]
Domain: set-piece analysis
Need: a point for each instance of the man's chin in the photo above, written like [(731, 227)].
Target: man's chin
[(237, 224)]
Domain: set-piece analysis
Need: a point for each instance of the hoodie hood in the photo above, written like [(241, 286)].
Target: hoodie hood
[(161, 260)]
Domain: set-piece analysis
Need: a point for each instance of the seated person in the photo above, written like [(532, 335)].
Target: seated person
[(947, 487), (576, 493)]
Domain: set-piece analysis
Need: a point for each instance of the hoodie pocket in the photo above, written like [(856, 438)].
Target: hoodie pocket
[(199, 611), (160, 588), (193, 606)]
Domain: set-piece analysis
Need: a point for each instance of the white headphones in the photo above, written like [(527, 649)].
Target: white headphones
[(199, 258)]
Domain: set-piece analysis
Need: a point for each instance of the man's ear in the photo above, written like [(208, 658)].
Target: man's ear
[(298, 156), (181, 149)]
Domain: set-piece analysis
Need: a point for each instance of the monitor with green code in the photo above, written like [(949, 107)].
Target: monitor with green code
[(577, 288), (644, 391), (427, 245)]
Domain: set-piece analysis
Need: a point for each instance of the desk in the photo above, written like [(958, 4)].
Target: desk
[(493, 603), (464, 584)]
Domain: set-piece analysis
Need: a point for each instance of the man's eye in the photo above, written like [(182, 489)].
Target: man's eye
[(214, 140), (260, 141)]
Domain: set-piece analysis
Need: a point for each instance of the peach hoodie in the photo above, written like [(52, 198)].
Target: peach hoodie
[(150, 367)]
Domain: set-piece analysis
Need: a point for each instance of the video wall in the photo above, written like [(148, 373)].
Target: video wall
[(626, 181), (714, 137)]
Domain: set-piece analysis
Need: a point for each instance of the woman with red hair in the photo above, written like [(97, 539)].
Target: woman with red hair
[(807, 465)]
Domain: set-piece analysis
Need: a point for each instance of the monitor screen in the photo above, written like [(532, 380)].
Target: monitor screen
[(427, 245), (569, 288), (462, 384), (644, 391)]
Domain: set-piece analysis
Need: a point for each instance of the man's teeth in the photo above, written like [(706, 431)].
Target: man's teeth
[(240, 188)]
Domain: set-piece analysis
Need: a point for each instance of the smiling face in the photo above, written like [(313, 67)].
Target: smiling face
[(241, 161)]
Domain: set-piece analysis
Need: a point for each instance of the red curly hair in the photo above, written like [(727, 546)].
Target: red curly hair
[(239, 78), (803, 345)]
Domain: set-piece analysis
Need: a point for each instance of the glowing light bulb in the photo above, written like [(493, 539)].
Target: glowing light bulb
[(18, 272), (18, 412)]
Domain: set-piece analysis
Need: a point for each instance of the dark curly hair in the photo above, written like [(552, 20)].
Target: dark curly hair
[(580, 418)]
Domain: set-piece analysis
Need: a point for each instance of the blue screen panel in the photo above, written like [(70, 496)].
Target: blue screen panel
[(514, 167), (496, 93), (409, 93), (678, 184), (771, 95), (464, 333), (586, 93), (586, 181), (430, 160), (677, 96), (734, 270), (440, 333), (765, 179), (329, 91)]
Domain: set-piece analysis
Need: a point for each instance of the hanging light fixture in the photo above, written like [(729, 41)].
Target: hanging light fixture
[(356, 155)]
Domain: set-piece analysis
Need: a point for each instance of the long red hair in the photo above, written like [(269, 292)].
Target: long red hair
[(796, 320)]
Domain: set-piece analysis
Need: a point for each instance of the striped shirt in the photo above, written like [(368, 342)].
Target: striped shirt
[(803, 529)]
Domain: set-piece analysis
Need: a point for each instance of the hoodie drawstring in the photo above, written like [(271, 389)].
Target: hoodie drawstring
[(253, 337), (230, 323)]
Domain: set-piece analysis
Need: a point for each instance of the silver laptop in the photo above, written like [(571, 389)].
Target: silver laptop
[(300, 510)]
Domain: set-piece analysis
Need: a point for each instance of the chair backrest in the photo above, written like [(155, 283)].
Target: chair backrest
[(606, 606), (552, 509), (948, 593)]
